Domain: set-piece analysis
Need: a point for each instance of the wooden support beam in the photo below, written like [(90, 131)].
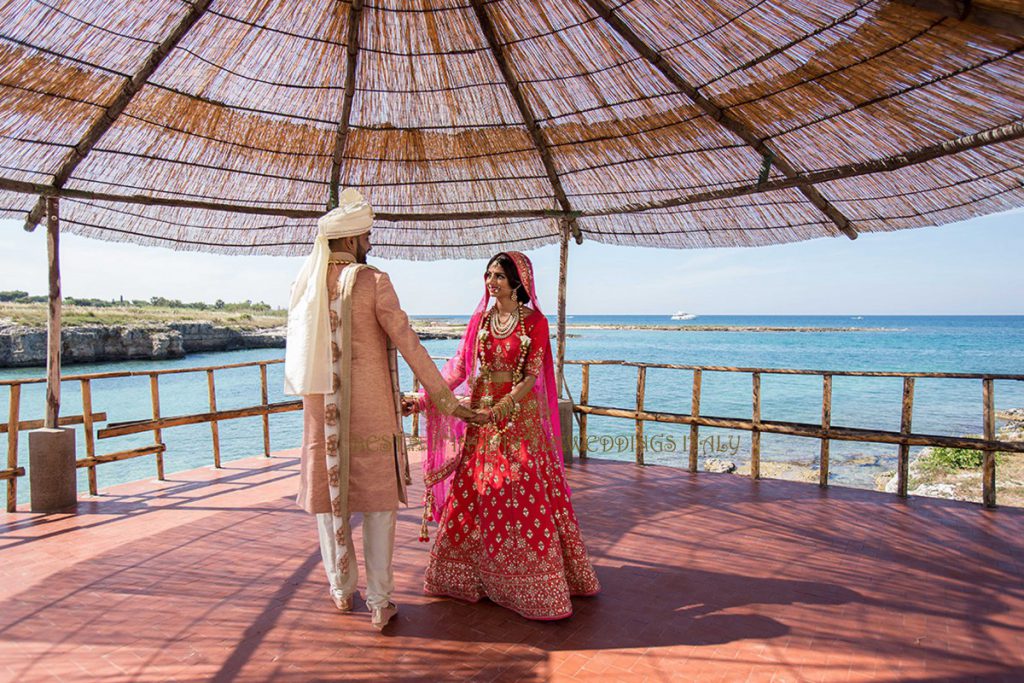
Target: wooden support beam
[(725, 119), (120, 455), (487, 26), (984, 138), (53, 347), (563, 273), (12, 477), (988, 465), (158, 439), (214, 427), (264, 401), (584, 400), (90, 437), (130, 88), (64, 421), (355, 15), (755, 435), (694, 412), (641, 387), (978, 140), (13, 417), (826, 424), (965, 10), (138, 426), (903, 455)]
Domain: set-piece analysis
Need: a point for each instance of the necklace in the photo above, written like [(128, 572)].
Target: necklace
[(502, 330)]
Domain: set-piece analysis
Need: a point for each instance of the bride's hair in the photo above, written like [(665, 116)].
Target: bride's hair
[(511, 274)]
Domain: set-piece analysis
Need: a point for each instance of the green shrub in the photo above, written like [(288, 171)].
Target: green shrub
[(942, 457)]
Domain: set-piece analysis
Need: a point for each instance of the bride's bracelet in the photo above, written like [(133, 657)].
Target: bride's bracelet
[(505, 407)]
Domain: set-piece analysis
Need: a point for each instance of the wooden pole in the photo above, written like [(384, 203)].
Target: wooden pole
[(584, 400), (903, 458), (265, 401), (13, 418), (988, 471), (416, 415), (90, 438), (641, 386), (53, 314), (695, 412), (341, 134), (214, 430), (158, 440), (755, 435), (563, 265), (826, 423)]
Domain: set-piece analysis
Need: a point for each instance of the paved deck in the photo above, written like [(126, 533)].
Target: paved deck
[(214, 575)]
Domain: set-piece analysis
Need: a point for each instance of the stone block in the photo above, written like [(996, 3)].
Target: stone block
[(51, 470)]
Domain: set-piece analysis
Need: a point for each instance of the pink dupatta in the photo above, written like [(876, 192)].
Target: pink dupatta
[(446, 435)]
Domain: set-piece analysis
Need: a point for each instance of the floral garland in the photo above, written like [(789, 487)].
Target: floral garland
[(507, 406)]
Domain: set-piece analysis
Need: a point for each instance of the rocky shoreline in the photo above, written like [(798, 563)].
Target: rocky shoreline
[(22, 346)]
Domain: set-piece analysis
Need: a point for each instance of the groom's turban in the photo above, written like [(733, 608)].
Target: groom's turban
[(307, 364)]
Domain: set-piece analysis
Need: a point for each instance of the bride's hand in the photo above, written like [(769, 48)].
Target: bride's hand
[(480, 417), (408, 407)]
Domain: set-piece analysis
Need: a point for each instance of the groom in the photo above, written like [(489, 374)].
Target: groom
[(344, 324)]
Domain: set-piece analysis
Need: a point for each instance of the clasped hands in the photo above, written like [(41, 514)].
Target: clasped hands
[(410, 405)]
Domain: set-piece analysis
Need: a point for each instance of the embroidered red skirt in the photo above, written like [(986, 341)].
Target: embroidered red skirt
[(508, 531)]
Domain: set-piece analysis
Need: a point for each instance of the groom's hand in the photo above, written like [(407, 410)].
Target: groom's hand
[(464, 413)]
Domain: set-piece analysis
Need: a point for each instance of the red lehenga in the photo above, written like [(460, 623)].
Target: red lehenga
[(507, 528)]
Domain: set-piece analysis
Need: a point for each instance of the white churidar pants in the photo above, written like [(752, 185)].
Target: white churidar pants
[(378, 548)]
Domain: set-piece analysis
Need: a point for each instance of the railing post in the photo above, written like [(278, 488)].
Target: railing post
[(154, 394), (265, 401), (641, 386), (906, 417), (416, 415), (988, 471), (826, 423), (755, 433), (214, 429), (90, 442), (13, 417), (694, 412), (584, 400)]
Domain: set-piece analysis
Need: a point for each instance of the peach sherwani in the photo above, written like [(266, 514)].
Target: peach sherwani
[(377, 464)]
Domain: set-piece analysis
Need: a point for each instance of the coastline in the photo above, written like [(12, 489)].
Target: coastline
[(25, 345)]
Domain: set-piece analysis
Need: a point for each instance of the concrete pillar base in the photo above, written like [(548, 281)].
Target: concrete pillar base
[(52, 473), (565, 419)]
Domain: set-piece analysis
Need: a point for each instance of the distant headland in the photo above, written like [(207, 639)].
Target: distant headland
[(98, 330)]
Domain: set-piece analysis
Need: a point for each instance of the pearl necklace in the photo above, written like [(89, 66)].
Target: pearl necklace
[(502, 330)]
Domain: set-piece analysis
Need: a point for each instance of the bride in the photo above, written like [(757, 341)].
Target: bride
[(507, 530)]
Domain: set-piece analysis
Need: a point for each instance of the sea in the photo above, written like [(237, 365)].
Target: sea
[(969, 344)]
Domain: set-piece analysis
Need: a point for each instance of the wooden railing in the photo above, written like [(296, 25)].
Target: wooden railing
[(825, 431), (156, 424)]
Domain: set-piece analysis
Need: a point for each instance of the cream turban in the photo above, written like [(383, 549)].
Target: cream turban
[(307, 357)]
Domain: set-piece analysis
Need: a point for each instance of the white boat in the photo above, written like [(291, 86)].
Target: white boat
[(683, 315)]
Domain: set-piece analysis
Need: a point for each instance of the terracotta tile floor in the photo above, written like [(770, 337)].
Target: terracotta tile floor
[(214, 575)]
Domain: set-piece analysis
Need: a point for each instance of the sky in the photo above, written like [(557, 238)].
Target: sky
[(967, 268)]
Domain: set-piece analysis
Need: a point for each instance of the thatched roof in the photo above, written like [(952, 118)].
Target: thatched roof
[(478, 124)]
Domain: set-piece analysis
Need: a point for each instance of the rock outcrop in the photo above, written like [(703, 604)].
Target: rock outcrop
[(26, 346)]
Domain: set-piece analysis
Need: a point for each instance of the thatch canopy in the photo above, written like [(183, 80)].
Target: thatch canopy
[(477, 124)]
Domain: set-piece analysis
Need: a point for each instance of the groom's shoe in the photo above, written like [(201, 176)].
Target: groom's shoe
[(380, 616), (342, 602)]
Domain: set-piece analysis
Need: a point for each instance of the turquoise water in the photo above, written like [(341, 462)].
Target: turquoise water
[(917, 343)]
